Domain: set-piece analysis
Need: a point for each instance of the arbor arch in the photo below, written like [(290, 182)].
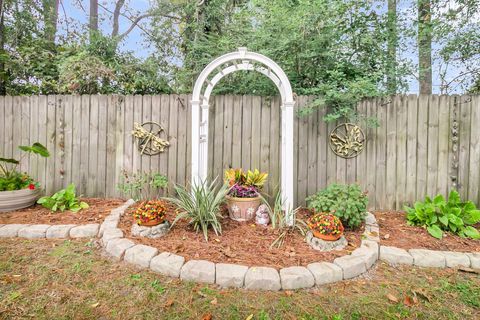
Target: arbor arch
[(220, 67)]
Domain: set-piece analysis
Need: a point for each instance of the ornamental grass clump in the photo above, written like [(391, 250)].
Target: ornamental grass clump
[(325, 224), (201, 206), (152, 211)]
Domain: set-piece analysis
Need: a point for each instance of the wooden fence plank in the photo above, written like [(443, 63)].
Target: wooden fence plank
[(432, 161), (3, 137), (411, 149), (401, 152), (93, 147), (102, 161), (474, 176), (9, 133), (391, 160), (115, 142), (217, 139), (246, 137), (59, 156), (164, 121), (146, 117), (34, 124), (381, 154), (264, 138), (302, 154), (322, 149), (371, 154), (422, 146), (24, 133), (312, 151), (172, 132), (68, 139), (51, 143), (443, 143), (275, 137), (464, 108), (237, 132), (256, 130), (227, 131)]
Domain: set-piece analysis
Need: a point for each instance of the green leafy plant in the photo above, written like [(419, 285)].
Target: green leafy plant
[(10, 178), (347, 202), (201, 205), (62, 200), (142, 185), (439, 215)]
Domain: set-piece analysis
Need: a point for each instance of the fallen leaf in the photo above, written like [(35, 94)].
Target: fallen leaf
[(392, 298), (217, 240), (288, 293), (409, 301), (469, 270), (95, 305), (422, 294), (229, 253), (214, 302), (386, 236), (250, 317), (207, 316), (168, 303)]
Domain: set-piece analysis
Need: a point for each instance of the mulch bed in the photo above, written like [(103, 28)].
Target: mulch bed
[(240, 243), (96, 213), (395, 232)]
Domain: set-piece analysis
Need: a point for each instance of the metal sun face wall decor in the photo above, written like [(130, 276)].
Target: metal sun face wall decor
[(347, 140), (152, 138)]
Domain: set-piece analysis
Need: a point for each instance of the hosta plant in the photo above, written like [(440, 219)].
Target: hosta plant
[(439, 215), (10, 178), (150, 211), (65, 199), (347, 202), (142, 185), (201, 206), (245, 184)]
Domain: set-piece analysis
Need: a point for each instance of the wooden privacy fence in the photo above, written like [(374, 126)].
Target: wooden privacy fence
[(423, 146)]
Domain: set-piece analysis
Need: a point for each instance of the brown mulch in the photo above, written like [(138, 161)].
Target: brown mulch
[(240, 243), (395, 232), (96, 213)]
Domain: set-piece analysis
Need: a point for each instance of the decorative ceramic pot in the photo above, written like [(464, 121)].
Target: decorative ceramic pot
[(152, 223), (327, 237), (18, 199), (242, 209)]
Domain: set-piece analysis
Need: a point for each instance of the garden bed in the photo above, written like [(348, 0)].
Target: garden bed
[(241, 243), (395, 232), (96, 213)]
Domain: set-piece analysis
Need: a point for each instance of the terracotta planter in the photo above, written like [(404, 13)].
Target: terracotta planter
[(152, 223), (242, 209), (18, 199), (326, 237)]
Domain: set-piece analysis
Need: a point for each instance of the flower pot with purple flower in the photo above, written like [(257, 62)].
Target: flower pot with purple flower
[(243, 198)]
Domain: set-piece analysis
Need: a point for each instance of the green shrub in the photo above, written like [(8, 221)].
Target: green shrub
[(201, 206), (142, 185), (62, 200), (347, 202), (440, 215)]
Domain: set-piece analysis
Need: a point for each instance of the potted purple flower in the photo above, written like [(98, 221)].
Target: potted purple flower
[(243, 198)]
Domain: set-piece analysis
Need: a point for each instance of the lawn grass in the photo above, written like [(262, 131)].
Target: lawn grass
[(45, 279)]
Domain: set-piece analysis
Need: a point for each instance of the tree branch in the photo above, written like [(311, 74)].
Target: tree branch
[(116, 15)]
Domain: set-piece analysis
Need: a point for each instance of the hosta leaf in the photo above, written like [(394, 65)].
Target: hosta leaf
[(435, 231), (455, 220), (454, 197), (472, 217), (443, 220), (471, 232), (9, 160)]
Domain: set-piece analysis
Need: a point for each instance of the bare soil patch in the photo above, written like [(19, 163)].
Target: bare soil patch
[(240, 243), (395, 232), (96, 213)]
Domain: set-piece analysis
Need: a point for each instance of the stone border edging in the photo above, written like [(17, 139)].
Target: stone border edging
[(238, 276)]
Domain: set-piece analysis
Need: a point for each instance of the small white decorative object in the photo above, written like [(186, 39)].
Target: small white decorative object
[(262, 216)]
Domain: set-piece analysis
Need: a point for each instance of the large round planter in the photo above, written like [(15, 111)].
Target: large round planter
[(242, 209), (152, 223), (18, 199), (326, 237)]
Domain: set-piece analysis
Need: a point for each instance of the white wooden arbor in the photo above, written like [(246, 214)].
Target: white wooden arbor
[(222, 66)]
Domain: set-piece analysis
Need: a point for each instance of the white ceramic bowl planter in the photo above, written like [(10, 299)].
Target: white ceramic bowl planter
[(18, 199)]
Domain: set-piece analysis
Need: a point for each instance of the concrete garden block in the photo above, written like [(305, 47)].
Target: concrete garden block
[(116, 247), (395, 255), (370, 219), (296, 278), (428, 258), (198, 271), (110, 234), (456, 259), (474, 260), (168, 264), (107, 225), (35, 231), (11, 230), (352, 266), (262, 278), (372, 229), (85, 231), (230, 275), (140, 255), (368, 254), (59, 231), (325, 272)]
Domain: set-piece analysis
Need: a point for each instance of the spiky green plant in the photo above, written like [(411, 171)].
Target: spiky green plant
[(201, 205)]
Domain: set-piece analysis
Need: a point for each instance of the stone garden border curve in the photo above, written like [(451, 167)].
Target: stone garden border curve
[(233, 275)]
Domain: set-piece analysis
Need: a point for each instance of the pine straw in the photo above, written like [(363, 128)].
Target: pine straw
[(240, 243), (96, 213)]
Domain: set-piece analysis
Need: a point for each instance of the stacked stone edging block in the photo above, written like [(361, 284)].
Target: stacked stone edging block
[(233, 275)]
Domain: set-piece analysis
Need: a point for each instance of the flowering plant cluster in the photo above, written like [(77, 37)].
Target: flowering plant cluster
[(245, 184), (325, 223), (150, 211)]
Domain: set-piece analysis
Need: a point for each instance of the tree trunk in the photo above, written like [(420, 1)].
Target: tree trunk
[(50, 19), (392, 47), (93, 25), (424, 46)]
